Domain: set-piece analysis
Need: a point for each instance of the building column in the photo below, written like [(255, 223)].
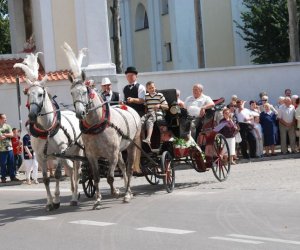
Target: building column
[(154, 17), (183, 34), (93, 33), (17, 28)]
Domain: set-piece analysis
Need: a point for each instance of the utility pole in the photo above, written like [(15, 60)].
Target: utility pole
[(199, 34), (115, 10), (293, 30)]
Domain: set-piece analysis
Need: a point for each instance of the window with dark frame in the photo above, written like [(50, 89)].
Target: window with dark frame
[(164, 7), (168, 52)]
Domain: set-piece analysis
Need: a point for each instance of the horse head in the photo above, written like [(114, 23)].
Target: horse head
[(36, 91), (80, 93), (36, 94)]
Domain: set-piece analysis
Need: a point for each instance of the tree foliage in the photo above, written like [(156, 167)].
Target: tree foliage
[(265, 30), (5, 47)]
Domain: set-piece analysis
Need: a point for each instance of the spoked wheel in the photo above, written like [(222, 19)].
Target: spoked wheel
[(221, 158), (168, 170), (88, 187), (149, 173)]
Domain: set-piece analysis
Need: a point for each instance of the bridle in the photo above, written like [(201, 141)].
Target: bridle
[(35, 128), (103, 122), (40, 106)]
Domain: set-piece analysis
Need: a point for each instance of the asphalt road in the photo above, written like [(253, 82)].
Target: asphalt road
[(256, 208)]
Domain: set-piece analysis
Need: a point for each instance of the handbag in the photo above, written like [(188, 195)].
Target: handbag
[(238, 138)]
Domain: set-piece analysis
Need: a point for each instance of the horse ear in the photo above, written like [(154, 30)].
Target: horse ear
[(70, 78), (83, 75)]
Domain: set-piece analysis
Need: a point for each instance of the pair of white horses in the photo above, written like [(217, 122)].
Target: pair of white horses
[(102, 131)]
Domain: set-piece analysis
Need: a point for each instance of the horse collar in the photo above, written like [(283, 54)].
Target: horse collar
[(52, 131), (98, 127)]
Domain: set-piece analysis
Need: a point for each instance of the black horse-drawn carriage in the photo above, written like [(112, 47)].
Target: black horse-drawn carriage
[(170, 147)]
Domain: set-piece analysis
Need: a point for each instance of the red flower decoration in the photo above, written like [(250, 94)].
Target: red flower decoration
[(92, 95), (124, 107)]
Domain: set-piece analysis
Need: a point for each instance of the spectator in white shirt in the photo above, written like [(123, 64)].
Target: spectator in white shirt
[(197, 105), (286, 118)]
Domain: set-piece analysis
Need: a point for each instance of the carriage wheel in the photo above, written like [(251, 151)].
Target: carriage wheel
[(221, 158), (149, 173), (168, 170), (88, 187)]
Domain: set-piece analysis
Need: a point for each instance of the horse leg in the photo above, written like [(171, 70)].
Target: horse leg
[(133, 161), (57, 175), (94, 165), (122, 166), (74, 183), (111, 174), (46, 181)]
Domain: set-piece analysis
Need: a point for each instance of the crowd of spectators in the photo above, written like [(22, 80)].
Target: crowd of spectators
[(262, 125)]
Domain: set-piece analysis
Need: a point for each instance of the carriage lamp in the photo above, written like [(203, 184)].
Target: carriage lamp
[(175, 109)]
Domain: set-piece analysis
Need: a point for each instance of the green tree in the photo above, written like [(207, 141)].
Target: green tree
[(265, 30), (4, 28)]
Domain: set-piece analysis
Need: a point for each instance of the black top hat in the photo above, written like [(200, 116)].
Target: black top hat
[(131, 69)]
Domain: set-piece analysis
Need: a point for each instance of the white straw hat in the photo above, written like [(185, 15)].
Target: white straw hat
[(105, 81)]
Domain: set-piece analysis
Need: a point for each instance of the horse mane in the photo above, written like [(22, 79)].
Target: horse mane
[(74, 62)]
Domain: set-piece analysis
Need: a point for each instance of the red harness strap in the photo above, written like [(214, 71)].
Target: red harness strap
[(43, 133), (99, 127)]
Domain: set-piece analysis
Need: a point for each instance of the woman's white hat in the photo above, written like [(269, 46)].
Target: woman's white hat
[(105, 81)]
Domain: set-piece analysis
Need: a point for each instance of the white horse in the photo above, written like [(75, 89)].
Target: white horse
[(106, 132), (52, 131)]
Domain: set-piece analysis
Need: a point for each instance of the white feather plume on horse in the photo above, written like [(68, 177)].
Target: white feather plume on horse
[(31, 66), (74, 62)]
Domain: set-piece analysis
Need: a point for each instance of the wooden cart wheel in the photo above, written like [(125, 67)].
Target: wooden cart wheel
[(221, 158), (149, 172), (88, 187), (87, 180), (168, 170)]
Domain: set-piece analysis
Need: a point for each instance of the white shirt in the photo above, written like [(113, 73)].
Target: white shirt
[(243, 115), (203, 100), (193, 105), (287, 114)]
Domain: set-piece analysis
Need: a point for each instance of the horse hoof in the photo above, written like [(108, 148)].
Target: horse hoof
[(74, 203), (116, 194), (97, 207), (56, 205), (127, 199), (49, 207)]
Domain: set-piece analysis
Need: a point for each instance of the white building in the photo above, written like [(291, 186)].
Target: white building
[(162, 34)]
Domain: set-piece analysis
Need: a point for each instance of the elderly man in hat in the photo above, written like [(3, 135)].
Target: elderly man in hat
[(108, 95), (134, 92)]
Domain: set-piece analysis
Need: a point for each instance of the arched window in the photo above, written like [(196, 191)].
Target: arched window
[(141, 18)]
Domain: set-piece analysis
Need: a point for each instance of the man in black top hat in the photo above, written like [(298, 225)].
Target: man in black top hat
[(134, 93)]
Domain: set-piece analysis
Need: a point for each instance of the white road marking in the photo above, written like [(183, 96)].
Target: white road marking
[(236, 240), (43, 218), (92, 223), (164, 230), (265, 239)]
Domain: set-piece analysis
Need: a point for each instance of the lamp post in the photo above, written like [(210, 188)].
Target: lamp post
[(19, 101)]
